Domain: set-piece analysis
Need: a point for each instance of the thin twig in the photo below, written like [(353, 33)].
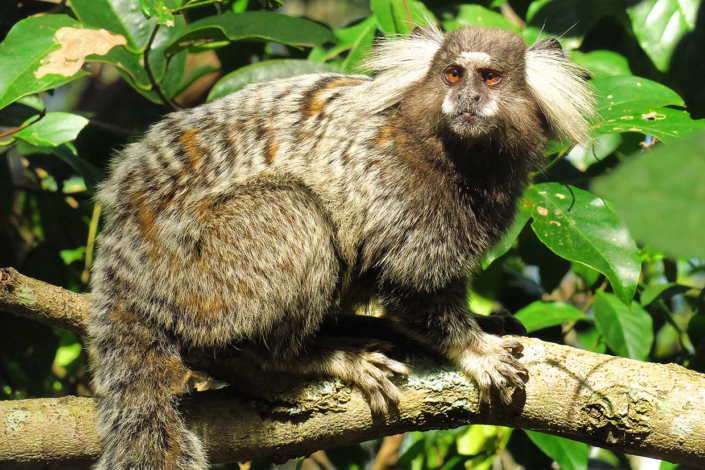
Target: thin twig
[(24, 126), (155, 85)]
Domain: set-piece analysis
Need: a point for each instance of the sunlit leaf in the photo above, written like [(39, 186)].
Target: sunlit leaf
[(253, 25), (400, 16), (629, 333), (586, 230), (538, 315), (476, 15), (659, 25), (25, 49), (603, 63), (53, 129)]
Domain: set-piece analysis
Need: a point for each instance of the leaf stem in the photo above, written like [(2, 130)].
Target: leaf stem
[(23, 126), (193, 4), (553, 163), (147, 68)]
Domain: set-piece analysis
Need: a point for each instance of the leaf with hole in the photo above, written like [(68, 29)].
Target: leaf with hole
[(25, 50), (586, 230)]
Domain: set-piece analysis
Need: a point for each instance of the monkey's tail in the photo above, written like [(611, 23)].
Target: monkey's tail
[(138, 373)]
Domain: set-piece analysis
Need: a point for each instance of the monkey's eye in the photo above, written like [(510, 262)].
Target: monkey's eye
[(452, 75), (491, 78)]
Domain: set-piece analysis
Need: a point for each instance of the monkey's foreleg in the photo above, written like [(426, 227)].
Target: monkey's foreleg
[(443, 321)]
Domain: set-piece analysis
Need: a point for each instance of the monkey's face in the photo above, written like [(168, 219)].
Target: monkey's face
[(479, 78)]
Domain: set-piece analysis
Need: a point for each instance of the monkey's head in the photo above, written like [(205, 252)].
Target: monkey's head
[(477, 81), (473, 81)]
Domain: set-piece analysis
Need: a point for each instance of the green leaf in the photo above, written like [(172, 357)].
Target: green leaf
[(157, 8), (53, 129), (538, 315), (659, 25), (508, 239), (617, 94), (627, 332), (356, 40), (124, 18), (589, 233), (257, 25), (584, 155), (634, 104), (662, 291), (394, 18), (661, 196), (603, 63), (475, 15), (569, 455), (267, 70), (359, 38), (26, 47)]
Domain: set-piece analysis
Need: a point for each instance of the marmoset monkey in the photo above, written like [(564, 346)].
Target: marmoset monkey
[(252, 219)]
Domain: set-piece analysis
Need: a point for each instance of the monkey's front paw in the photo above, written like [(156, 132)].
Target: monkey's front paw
[(369, 367), (490, 363)]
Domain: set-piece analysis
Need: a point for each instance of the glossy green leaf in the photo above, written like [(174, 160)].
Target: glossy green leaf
[(394, 18), (662, 291), (476, 15), (635, 104), (590, 339), (508, 239), (257, 25), (355, 40), (53, 129), (569, 455), (158, 10), (538, 315), (603, 63), (617, 94), (661, 196), (659, 25), (125, 17), (267, 70), (586, 230), (359, 39), (23, 51), (629, 333)]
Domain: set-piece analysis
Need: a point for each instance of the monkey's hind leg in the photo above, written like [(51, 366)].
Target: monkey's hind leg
[(273, 243), (138, 374)]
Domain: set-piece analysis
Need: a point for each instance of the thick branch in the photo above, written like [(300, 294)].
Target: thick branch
[(634, 407)]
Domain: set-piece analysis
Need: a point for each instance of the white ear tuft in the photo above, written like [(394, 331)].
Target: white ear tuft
[(399, 62), (560, 89)]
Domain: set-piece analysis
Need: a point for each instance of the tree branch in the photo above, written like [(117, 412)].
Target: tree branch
[(620, 404)]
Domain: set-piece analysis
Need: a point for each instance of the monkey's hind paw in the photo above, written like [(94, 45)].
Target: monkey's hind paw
[(490, 363), (368, 368)]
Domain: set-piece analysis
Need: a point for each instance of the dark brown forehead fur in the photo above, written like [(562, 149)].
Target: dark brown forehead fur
[(504, 48)]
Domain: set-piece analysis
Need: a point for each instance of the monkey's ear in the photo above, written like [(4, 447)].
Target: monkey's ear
[(560, 89)]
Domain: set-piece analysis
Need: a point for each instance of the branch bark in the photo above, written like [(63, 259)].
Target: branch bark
[(620, 404)]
